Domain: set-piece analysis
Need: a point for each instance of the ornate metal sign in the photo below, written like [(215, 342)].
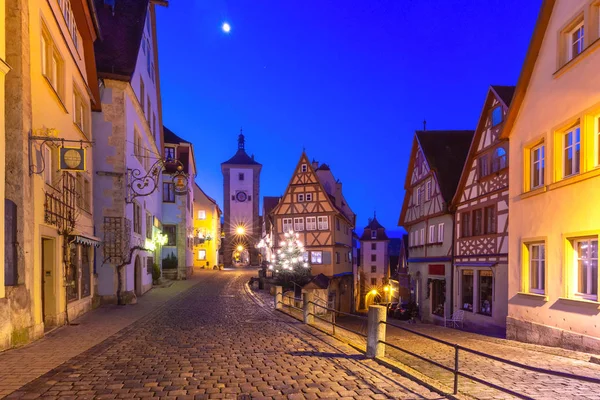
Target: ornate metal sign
[(144, 185)]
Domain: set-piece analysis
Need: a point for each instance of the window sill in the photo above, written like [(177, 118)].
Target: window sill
[(541, 297), (574, 61), (533, 192), (62, 105), (580, 301), (575, 179)]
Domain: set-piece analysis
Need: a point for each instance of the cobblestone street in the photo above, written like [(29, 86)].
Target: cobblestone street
[(214, 341)]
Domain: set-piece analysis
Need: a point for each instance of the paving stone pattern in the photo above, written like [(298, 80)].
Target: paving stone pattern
[(214, 341)]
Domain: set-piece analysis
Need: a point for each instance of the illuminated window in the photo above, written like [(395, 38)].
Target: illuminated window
[(287, 224), (571, 152), (537, 268), (201, 255), (299, 224), (323, 223), (201, 214), (538, 160), (586, 257), (316, 257), (311, 223), (496, 116)]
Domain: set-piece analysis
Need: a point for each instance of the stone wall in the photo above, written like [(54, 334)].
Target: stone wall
[(531, 332)]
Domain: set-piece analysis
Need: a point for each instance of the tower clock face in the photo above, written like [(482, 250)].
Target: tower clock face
[(72, 159), (241, 197)]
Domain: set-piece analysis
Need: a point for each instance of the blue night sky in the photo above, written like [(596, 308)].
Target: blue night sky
[(348, 80)]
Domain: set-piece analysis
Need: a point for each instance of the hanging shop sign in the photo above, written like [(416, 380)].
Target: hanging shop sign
[(72, 159)]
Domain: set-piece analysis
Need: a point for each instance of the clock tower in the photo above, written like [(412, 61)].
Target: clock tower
[(241, 183)]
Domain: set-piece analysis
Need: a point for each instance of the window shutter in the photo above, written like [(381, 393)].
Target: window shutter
[(11, 277), (326, 257)]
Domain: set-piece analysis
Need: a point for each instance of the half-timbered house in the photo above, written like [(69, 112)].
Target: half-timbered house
[(314, 207), (436, 162), (481, 221)]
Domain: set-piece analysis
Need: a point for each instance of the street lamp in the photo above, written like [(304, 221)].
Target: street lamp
[(240, 230), (240, 248)]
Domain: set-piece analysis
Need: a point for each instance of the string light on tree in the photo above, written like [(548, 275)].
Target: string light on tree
[(291, 257)]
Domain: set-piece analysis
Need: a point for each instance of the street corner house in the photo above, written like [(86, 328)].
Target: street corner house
[(48, 208), (313, 206), (480, 208), (373, 278), (207, 230), (435, 166), (554, 130)]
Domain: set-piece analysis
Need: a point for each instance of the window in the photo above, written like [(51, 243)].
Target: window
[(287, 225), (201, 255), (84, 192), (418, 196), (86, 276), (373, 269), (148, 58), (323, 223), (586, 253), (483, 165), (201, 214), (168, 192), (537, 268), (137, 218), (79, 112), (309, 197), (72, 272), (572, 148), (373, 246), (171, 232), (422, 232), (431, 238), (149, 224), (337, 257), (316, 257), (490, 219), (142, 94), (465, 224), (299, 224), (311, 223), (337, 224), (496, 116), (477, 222), (300, 197), (485, 292), (52, 63), (374, 234), (440, 238), (137, 145), (48, 164), (304, 167), (466, 282), (241, 176), (65, 6), (428, 191), (576, 36), (499, 161), (170, 153), (438, 297), (373, 281), (373, 257), (537, 166)]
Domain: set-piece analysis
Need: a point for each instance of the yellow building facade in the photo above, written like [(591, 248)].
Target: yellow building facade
[(554, 223), (207, 230), (52, 92)]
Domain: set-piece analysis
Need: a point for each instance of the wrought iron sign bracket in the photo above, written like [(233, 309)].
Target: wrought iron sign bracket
[(139, 185), (44, 140)]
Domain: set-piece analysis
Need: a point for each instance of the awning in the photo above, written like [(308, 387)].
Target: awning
[(85, 240), (475, 264)]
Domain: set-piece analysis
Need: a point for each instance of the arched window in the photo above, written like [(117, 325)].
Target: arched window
[(499, 161)]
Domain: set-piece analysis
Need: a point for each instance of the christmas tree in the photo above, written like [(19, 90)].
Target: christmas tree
[(291, 258)]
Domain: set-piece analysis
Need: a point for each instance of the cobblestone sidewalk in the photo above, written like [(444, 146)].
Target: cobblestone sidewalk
[(22, 365)]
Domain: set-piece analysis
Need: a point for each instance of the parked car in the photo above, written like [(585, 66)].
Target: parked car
[(391, 308), (405, 311)]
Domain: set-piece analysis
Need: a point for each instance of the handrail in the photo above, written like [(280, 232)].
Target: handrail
[(338, 312), (338, 325)]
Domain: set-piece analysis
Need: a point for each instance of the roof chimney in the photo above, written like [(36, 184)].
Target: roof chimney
[(315, 164)]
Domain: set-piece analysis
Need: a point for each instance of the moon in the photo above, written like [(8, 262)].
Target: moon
[(226, 27)]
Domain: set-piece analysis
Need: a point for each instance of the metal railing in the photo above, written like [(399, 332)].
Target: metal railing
[(376, 346)]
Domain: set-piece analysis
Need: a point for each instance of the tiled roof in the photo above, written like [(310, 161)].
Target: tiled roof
[(269, 203), (172, 137), (241, 158), (446, 152), (374, 225), (320, 281), (122, 29), (506, 93)]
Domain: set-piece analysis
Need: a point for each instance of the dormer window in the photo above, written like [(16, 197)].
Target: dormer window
[(304, 168), (373, 234), (170, 153)]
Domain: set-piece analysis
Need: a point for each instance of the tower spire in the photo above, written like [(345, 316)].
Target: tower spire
[(241, 141), (424, 124)]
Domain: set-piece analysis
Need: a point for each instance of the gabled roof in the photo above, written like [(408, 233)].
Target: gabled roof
[(374, 225), (122, 30), (503, 94), (209, 198), (528, 65), (269, 203), (319, 282), (171, 137), (241, 158), (446, 152)]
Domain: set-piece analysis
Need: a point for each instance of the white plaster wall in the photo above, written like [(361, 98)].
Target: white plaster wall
[(241, 212)]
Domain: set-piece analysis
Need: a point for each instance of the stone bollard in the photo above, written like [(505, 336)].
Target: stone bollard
[(278, 297), (376, 331), (309, 308)]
